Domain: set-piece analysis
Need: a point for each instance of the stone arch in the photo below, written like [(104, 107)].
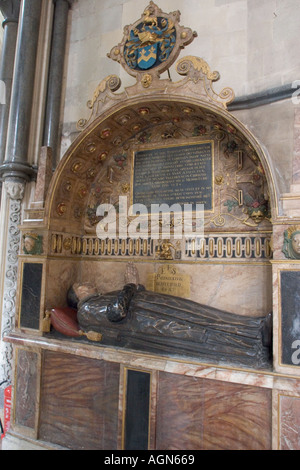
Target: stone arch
[(87, 156)]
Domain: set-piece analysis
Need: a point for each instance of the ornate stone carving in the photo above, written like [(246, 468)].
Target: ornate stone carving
[(15, 190), (198, 71), (10, 281), (152, 43), (103, 92), (32, 243), (291, 245)]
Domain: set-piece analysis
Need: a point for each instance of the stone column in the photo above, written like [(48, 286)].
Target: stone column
[(55, 79), (15, 165), (11, 212), (15, 170), (10, 11)]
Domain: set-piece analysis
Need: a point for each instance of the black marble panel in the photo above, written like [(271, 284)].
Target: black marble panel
[(31, 295), (174, 175), (137, 410), (290, 317)]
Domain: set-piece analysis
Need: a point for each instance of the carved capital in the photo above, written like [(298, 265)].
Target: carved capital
[(10, 10), (15, 190)]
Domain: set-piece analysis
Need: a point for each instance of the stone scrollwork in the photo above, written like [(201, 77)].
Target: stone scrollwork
[(104, 92), (197, 70), (15, 192)]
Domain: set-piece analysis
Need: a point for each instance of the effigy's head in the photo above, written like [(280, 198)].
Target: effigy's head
[(79, 291)]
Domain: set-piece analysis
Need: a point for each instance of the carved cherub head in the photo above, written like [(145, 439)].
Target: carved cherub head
[(291, 245), (32, 244)]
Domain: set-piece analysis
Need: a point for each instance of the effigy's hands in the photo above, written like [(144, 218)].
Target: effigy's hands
[(117, 310), (131, 274)]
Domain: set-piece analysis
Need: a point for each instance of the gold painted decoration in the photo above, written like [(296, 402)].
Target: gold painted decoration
[(76, 167), (61, 209), (102, 156), (199, 73)]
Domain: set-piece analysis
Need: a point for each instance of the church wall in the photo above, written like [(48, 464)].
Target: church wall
[(273, 126)]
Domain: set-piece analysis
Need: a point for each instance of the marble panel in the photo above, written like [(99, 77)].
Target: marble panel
[(197, 414), (285, 321), (31, 295), (290, 314), (94, 387), (137, 410), (289, 422), (26, 395)]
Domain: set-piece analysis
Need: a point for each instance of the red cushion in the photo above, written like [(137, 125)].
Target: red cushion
[(64, 320)]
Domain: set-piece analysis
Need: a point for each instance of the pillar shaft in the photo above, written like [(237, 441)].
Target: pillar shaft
[(15, 164), (10, 11), (55, 78)]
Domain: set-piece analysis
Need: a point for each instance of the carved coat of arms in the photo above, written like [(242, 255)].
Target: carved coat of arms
[(152, 42)]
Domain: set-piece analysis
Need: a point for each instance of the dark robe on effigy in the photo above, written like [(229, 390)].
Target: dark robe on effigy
[(139, 319)]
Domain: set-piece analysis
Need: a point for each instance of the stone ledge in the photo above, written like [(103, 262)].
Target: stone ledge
[(172, 364)]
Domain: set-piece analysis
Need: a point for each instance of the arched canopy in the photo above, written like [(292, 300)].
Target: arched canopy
[(157, 113)]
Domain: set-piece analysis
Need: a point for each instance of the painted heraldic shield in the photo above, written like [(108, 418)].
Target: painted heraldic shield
[(147, 56)]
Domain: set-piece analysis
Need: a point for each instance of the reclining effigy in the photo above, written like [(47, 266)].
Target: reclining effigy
[(138, 319)]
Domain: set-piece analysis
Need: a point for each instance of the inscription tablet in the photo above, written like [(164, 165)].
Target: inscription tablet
[(174, 175)]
